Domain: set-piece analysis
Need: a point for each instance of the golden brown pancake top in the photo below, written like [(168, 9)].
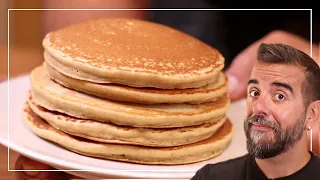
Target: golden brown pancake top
[(131, 44)]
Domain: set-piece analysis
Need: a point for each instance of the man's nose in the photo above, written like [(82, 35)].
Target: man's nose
[(261, 106)]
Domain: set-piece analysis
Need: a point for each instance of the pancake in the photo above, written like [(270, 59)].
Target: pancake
[(143, 95), (185, 154), (110, 133), (55, 97), (132, 52)]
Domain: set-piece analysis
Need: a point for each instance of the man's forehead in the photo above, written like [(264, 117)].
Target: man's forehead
[(270, 71)]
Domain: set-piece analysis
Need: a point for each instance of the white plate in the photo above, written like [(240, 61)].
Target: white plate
[(24, 141)]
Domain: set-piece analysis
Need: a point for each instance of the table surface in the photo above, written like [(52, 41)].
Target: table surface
[(5, 174)]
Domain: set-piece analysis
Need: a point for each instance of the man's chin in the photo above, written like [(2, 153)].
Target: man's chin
[(265, 155), (262, 154), (264, 149), (261, 137)]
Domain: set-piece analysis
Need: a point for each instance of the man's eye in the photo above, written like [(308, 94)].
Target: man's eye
[(254, 93), (279, 97)]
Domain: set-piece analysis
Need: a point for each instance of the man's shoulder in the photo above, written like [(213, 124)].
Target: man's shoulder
[(315, 159), (227, 169)]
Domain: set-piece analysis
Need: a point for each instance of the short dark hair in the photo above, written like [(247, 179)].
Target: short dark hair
[(285, 54)]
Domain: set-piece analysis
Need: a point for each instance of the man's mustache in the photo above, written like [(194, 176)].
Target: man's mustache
[(261, 120)]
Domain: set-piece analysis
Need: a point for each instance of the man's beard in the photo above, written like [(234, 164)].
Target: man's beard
[(280, 141)]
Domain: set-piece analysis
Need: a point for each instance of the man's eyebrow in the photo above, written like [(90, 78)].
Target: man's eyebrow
[(253, 81), (284, 85)]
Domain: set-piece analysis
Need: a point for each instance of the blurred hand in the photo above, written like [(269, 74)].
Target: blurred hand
[(24, 163), (241, 67)]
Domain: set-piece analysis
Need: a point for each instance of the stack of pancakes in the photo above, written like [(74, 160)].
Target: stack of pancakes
[(130, 90)]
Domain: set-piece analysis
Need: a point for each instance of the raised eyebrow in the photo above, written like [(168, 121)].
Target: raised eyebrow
[(284, 85), (253, 81)]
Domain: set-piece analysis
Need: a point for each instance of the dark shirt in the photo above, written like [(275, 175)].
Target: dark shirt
[(246, 168)]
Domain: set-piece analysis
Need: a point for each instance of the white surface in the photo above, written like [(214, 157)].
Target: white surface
[(27, 143)]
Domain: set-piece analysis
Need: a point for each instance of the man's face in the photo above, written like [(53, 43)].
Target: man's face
[(275, 110)]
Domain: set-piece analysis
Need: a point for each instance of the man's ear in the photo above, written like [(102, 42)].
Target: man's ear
[(313, 114)]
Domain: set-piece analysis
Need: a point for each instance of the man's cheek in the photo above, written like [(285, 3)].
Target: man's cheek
[(286, 114), (248, 109)]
